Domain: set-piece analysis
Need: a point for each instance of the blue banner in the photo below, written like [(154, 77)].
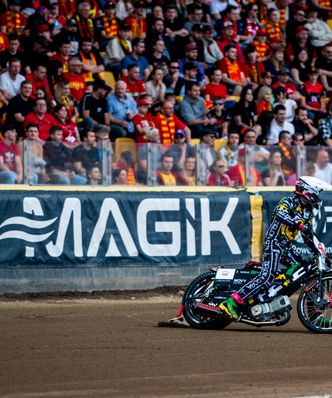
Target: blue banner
[(66, 229)]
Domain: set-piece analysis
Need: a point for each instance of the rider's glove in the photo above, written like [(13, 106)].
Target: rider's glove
[(299, 224)]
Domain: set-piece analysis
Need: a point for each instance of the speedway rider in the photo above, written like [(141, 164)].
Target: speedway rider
[(291, 215)]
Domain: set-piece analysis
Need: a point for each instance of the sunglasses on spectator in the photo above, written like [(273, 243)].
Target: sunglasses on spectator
[(178, 136), (221, 166), (218, 103)]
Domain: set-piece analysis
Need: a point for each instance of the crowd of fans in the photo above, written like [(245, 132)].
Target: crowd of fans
[(77, 76)]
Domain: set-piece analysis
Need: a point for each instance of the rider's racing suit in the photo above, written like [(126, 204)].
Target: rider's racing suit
[(286, 218)]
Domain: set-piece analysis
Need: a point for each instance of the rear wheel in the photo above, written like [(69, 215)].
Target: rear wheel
[(200, 290), (316, 317)]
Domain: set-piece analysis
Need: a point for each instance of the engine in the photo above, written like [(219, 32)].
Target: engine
[(262, 311)]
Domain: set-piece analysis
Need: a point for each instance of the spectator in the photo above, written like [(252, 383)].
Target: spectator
[(264, 100), (260, 154), (232, 72), (121, 108), (180, 151), (36, 155), (86, 155), (137, 20), (303, 124), (323, 167), (94, 175), (107, 25), (172, 77), (319, 32), (218, 176), (117, 49), (287, 153), (127, 162), (193, 112), (157, 57), (11, 168), (167, 123), (41, 118), (13, 21), (212, 52), (84, 22), (19, 106), (278, 124), (229, 152), (59, 160), (274, 175), (238, 175), (325, 127), (189, 171), (174, 28), (136, 58), (300, 67), (10, 81), (276, 62), (251, 24), (76, 81), (135, 85), (244, 113), (219, 113), (273, 27), (71, 136), (13, 51), (155, 86), (94, 106), (207, 154), (255, 68), (261, 45), (165, 176), (142, 121), (120, 177), (63, 55), (215, 87), (123, 8), (92, 63), (324, 66), (314, 94)]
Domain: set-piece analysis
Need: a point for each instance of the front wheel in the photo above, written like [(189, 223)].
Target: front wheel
[(200, 290), (316, 317)]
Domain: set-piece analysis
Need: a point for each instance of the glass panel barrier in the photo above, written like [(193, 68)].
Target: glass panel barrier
[(172, 164)]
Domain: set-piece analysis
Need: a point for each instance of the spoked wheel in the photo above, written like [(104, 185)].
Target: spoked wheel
[(199, 291), (316, 317)]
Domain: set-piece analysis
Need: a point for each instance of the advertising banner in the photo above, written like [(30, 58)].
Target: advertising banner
[(68, 229)]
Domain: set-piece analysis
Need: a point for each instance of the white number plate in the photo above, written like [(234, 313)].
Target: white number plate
[(225, 274)]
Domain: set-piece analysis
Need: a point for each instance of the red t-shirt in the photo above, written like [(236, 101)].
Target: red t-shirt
[(69, 132), (136, 88), (142, 121), (77, 85), (289, 87), (313, 94), (44, 124), (8, 153), (64, 61), (215, 90)]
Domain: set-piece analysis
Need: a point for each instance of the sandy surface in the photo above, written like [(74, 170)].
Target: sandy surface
[(112, 347)]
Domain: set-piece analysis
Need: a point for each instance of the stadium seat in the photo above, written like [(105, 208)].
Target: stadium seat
[(109, 78), (124, 144), (219, 142), (195, 141)]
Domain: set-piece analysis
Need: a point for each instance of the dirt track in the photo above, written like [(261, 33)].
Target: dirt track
[(113, 348)]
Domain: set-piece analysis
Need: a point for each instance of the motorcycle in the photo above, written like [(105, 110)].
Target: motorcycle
[(269, 307)]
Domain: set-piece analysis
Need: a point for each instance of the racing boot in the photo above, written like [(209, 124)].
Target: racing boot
[(230, 306)]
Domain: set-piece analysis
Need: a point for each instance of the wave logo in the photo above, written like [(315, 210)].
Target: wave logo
[(32, 234)]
